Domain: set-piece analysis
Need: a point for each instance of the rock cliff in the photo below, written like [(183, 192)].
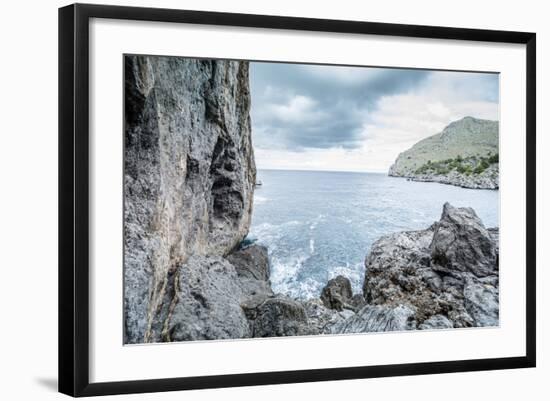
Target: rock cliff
[(464, 154), (188, 187)]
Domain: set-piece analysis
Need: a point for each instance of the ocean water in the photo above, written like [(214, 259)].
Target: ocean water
[(317, 225)]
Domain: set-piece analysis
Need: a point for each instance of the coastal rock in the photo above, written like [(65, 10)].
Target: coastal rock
[(436, 322), (375, 318), (251, 262), (321, 319), (461, 243), (488, 179), (206, 305), (481, 302), (449, 270), (337, 293), (280, 316), (189, 181)]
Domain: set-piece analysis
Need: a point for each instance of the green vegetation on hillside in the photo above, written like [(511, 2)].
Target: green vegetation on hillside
[(468, 166), (460, 140)]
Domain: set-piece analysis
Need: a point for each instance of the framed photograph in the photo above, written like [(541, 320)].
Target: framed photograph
[(251, 199)]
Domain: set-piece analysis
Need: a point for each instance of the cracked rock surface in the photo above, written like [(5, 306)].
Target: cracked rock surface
[(447, 274), (189, 178)]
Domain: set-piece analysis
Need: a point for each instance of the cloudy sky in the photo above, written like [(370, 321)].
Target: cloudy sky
[(311, 117)]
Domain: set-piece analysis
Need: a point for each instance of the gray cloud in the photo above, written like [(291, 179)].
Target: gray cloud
[(297, 106), (308, 106)]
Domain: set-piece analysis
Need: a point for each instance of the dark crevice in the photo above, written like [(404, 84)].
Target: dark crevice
[(192, 168)]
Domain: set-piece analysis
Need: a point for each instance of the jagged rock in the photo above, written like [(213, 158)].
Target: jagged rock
[(358, 301), (337, 293), (436, 322), (207, 302), (375, 318), (321, 319), (251, 262), (252, 266), (397, 264), (189, 176), (449, 270), (481, 301), (461, 243), (280, 316)]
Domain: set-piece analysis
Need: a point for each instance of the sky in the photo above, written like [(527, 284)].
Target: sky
[(335, 118)]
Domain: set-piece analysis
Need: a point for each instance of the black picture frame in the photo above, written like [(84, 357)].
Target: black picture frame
[(74, 198)]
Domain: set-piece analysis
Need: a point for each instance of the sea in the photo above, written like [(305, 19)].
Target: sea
[(317, 224)]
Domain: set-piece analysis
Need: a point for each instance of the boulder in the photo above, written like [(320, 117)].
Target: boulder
[(337, 293), (251, 262), (462, 243), (207, 302), (280, 316)]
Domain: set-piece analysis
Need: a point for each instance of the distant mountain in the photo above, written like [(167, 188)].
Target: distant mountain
[(465, 153)]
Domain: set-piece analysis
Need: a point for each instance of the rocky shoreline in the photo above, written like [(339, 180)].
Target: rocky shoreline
[(445, 276), (488, 179)]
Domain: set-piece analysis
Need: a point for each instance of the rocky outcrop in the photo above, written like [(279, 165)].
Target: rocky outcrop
[(487, 179), (464, 154), (443, 277), (447, 274), (280, 316), (461, 243), (188, 191), (375, 318), (322, 320), (206, 303), (251, 262), (337, 293)]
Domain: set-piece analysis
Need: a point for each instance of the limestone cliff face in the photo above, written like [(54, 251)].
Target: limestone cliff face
[(189, 178)]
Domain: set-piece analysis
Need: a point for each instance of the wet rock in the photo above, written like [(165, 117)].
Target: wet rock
[(251, 262), (280, 316), (337, 293), (358, 301), (448, 273)]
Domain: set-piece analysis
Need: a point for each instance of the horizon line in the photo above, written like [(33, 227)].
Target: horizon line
[(324, 171)]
